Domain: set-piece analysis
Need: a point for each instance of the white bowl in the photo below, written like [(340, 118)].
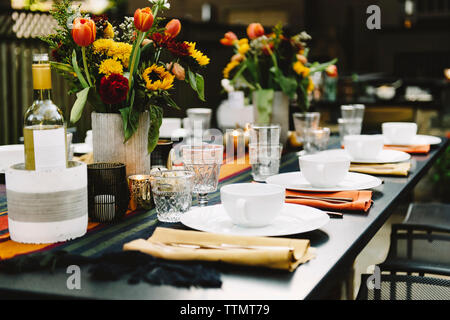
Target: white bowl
[(324, 171), (11, 154)]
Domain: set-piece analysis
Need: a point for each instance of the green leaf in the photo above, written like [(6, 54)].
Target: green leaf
[(321, 66), (77, 70), (170, 102), (79, 104), (192, 81), (287, 84), (263, 102), (200, 82), (130, 119), (156, 115), (62, 66)]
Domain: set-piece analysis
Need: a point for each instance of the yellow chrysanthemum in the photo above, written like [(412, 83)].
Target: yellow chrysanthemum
[(157, 77), (117, 50), (108, 32), (242, 41), (110, 66), (121, 51), (300, 69), (230, 66), (201, 59), (102, 45), (310, 85), (243, 49)]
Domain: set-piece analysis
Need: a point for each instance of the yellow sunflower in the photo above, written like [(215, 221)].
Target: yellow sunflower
[(157, 77), (109, 31), (243, 49), (300, 69), (230, 66), (202, 59), (110, 66)]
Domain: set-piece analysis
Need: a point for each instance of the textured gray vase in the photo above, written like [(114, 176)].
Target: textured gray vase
[(280, 114), (108, 142)]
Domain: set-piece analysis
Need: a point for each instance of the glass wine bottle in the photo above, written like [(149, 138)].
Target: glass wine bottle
[(44, 129)]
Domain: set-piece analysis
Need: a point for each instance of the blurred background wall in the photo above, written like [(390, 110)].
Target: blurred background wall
[(413, 45)]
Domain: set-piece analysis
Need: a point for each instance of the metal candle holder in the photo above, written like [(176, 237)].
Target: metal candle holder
[(108, 195)]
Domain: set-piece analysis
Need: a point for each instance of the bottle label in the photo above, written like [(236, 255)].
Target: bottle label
[(50, 148), (42, 77)]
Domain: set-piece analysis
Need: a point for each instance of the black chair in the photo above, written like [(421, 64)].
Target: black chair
[(421, 244), (405, 287)]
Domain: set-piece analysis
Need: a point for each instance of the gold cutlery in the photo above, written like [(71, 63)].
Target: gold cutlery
[(327, 199), (222, 246)]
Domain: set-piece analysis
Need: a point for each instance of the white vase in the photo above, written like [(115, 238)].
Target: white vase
[(279, 115), (108, 142)]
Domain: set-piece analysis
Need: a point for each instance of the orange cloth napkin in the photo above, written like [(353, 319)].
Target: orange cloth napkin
[(362, 200), (420, 148)]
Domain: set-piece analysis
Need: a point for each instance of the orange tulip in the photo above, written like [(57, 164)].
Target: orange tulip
[(255, 30), (83, 31), (331, 71), (229, 39), (143, 19), (173, 28)]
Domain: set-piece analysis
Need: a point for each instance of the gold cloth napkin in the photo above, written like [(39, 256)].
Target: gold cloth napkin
[(395, 169), (87, 158), (240, 250)]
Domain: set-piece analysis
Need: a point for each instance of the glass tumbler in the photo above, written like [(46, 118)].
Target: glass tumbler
[(204, 161), (172, 193), (265, 160), (304, 122), (266, 134), (316, 140), (349, 127)]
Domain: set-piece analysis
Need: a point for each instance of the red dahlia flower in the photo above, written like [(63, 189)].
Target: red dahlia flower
[(113, 89)]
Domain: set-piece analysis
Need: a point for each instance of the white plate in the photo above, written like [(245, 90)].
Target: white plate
[(9, 155), (81, 148), (385, 156), (420, 139), (293, 219), (353, 181)]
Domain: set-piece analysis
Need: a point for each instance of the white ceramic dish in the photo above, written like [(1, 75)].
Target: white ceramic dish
[(353, 181), (419, 139), (385, 156), (81, 148), (293, 219), (9, 155)]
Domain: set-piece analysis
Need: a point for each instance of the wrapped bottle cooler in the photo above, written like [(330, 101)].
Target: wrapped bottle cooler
[(49, 205)]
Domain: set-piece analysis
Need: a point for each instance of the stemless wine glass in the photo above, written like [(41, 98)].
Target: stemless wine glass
[(204, 160), (304, 122), (172, 192), (316, 140)]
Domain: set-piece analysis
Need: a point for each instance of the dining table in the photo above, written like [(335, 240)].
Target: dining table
[(337, 244)]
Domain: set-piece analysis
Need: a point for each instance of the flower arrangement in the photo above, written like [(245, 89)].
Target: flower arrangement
[(127, 69), (265, 63)]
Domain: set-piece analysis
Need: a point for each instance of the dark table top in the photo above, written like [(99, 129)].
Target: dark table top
[(338, 243)]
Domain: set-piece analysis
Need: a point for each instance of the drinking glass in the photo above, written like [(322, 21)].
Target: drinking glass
[(172, 193), (265, 160), (316, 140), (204, 161), (304, 122), (199, 120), (352, 111), (266, 134), (349, 127)]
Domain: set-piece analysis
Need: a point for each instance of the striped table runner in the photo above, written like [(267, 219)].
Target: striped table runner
[(102, 238)]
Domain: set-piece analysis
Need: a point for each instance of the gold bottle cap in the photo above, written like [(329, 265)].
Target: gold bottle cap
[(42, 77)]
